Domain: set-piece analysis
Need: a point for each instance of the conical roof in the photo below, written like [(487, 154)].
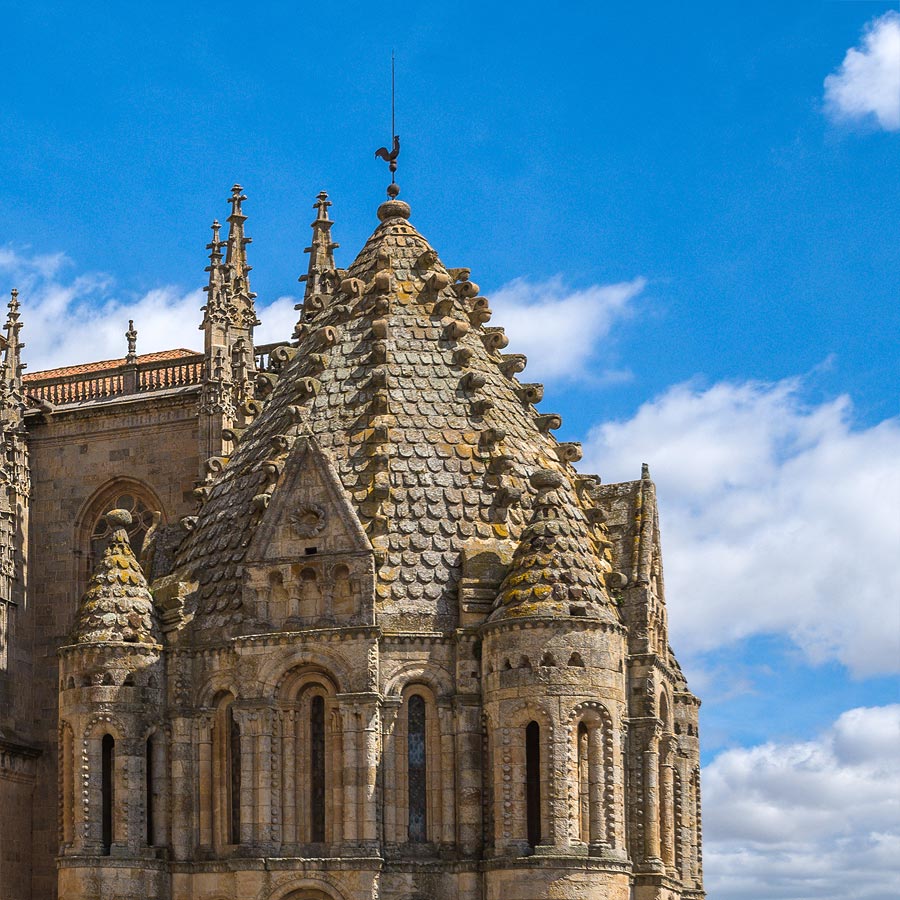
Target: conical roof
[(117, 606), (409, 393), (557, 570)]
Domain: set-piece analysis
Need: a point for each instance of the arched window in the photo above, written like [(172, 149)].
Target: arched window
[(416, 768), (107, 792), (312, 795), (317, 769), (141, 520), (533, 782), (591, 808), (93, 531), (225, 774)]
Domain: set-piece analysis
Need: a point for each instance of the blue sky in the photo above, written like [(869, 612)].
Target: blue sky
[(671, 200)]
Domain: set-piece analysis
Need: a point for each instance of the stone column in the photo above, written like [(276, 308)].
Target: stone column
[(128, 797), (651, 802), (247, 724), (468, 766), (205, 783), (183, 813), (667, 804), (390, 709), (351, 740), (264, 800), (288, 777), (447, 776), (595, 789), (371, 750)]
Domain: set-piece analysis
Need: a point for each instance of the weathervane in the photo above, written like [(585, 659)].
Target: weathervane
[(390, 156)]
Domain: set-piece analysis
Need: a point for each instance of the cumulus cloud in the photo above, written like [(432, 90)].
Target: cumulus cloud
[(779, 517), (72, 318), (558, 328), (867, 84), (813, 820)]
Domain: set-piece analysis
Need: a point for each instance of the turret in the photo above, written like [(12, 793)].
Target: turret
[(112, 739), (554, 699)]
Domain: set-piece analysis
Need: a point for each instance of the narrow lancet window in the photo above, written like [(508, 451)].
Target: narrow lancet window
[(234, 765), (416, 762), (149, 786), (317, 769), (107, 787), (533, 782)]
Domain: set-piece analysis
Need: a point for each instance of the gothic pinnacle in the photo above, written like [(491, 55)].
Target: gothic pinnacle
[(319, 276), (12, 360), (236, 245)]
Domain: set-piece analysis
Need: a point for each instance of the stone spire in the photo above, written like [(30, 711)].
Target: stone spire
[(556, 570), (237, 269), (12, 359), (215, 308), (15, 478), (117, 606), (321, 278)]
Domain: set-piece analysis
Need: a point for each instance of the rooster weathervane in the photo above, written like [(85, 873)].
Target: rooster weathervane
[(390, 156)]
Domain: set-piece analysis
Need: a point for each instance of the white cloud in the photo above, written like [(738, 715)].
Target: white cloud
[(777, 517), (69, 319), (559, 329), (867, 84), (817, 820)]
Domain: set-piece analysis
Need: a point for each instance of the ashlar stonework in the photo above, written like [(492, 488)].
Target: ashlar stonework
[(334, 618)]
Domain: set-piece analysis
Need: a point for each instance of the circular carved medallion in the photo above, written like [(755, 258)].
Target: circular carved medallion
[(308, 520)]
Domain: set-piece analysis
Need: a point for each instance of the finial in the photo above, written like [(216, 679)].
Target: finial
[(237, 197), (119, 518), (322, 203), (645, 472), (131, 337)]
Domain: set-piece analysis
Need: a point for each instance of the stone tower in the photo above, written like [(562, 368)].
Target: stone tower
[(112, 733), (390, 646)]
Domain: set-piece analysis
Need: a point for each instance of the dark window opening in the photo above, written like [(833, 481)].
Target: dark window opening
[(311, 551), (417, 775), (107, 763), (533, 782), (317, 769), (234, 762), (148, 771)]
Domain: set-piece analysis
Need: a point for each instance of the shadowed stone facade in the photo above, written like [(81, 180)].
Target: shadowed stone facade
[(330, 619)]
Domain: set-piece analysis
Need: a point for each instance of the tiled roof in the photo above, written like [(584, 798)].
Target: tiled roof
[(434, 439), (103, 365), (557, 569)]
